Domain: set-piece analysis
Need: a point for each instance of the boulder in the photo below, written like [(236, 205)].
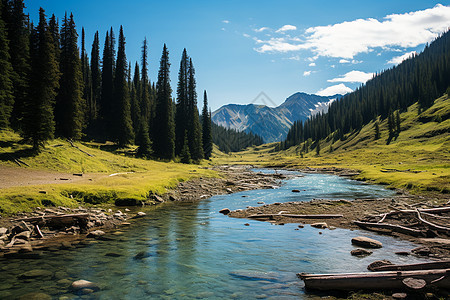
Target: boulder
[(366, 242), (360, 252), (83, 284), (140, 214), (96, 234), (320, 225), (225, 211), (3, 230), (378, 263), (296, 191)]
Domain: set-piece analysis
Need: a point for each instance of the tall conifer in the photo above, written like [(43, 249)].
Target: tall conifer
[(6, 85), (70, 104), (164, 129), (95, 74), (194, 129), (206, 128), (38, 124), (106, 98), (144, 85), (18, 35), (181, 114), (122, 125)]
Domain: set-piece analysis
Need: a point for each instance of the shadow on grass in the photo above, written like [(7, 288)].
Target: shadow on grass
[(18, 154)]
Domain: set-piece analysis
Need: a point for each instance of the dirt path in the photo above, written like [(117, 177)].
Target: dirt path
[(16, 177)]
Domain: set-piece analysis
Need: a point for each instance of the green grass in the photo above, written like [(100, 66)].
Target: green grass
[(423, 146), (138, 180)]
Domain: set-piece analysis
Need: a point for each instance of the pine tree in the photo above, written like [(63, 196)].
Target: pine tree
[(54, 31), (194, 129), (377, 130), (123, 129), (18, 35), (107, 85), (38, 124), (135, 108), (87, 81), (70, 106), (96, 75), (206, 128), (145, 106), (391, 127), (6, 72), (185, 155), (318, 148), (164, 127), (181, 114)]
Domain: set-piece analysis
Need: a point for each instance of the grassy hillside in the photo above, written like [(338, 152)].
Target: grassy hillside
[(137, 178), (418, 159)]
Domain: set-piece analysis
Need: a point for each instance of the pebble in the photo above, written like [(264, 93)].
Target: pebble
[(83, 284), (366, 242)]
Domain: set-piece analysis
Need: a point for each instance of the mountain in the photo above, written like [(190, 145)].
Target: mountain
[(271, 123)]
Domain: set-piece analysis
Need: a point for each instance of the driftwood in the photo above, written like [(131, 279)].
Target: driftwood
[(271, 216), (392, 227), (38, 231), (414, 267), (53, 217), (374, 281), (432, 225)]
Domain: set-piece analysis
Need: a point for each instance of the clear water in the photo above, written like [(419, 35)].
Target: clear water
[(196, 253)]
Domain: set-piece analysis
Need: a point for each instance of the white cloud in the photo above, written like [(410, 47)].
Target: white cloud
[(312, 64), (353, 76), (347, 39), (335, 89), (261, 29), (398, 59), (286, 28), (295, 57), (246, 35), (306, 73), (225, 21), (344, 61)]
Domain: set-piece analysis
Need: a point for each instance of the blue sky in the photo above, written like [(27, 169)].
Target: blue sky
[(242, 48)]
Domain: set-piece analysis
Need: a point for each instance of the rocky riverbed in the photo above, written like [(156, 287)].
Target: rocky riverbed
[(47, 229)]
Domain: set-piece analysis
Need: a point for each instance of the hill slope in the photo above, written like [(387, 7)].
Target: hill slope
[(271, 123), (417, 159)]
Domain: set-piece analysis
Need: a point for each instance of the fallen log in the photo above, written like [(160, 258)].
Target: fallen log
[(271, 216), (414, 267), (374, 281), (392, 227)]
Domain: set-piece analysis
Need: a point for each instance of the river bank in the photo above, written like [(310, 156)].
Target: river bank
[(29, 235), (344, 213)]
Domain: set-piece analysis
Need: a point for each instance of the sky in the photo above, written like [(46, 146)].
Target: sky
[(241, 49)]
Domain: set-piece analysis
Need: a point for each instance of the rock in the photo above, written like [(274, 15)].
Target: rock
[(225, 211), (378, 263), (141, 214), (296, 191), (414, 284), (402, 253), (320, 225), (422, 251), (83, 284), (399, 296), (229, 191), (366, 242), (35, 296), (277, 203), (229, 183), (246, 224), (86, 291), (261, 202), (3, 230), (127, 209), (157, 198), (96, 234), (301, 226), (360, 252), (35, 274)]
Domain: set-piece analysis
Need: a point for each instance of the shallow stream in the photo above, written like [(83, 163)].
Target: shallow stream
[(193, 252)]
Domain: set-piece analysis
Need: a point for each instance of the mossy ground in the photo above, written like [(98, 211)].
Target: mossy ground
[(137, 178), (417, 159)]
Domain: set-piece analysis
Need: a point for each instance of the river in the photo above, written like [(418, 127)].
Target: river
[(193, 252)]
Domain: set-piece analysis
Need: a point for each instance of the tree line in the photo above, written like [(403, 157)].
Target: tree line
[(49, 87), (231, 140), (421, 78)]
